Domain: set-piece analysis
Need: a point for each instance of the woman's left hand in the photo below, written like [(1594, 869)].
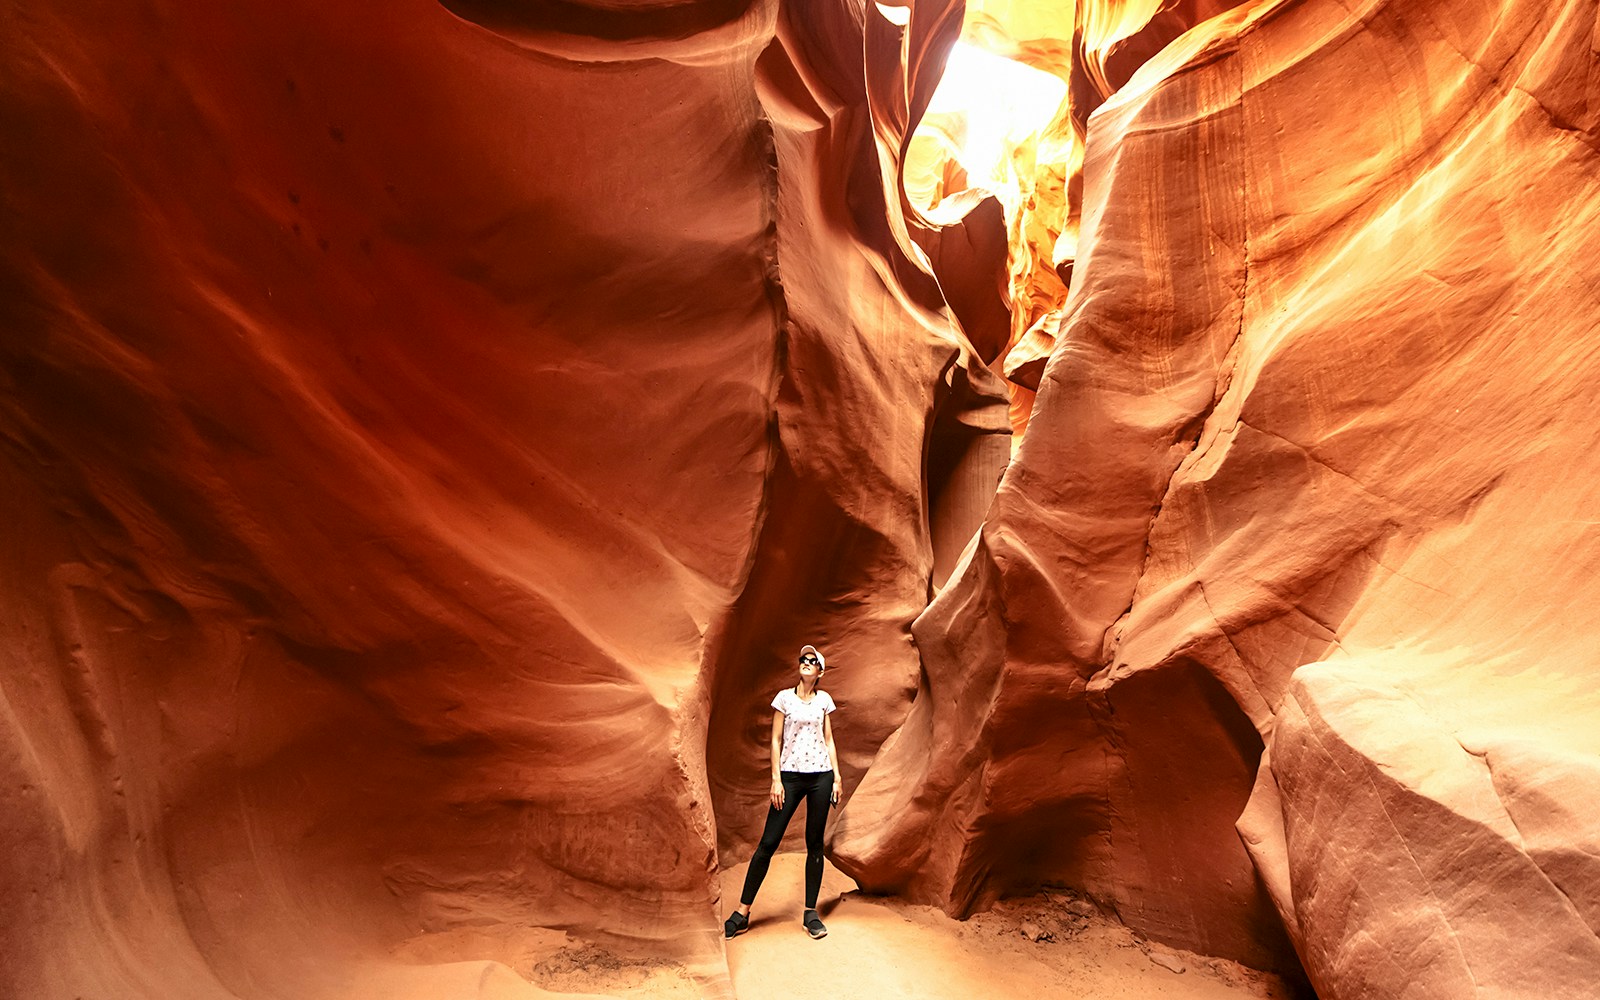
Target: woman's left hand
[(836, 782)]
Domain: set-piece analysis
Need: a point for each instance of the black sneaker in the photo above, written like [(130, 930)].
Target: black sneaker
[(736, 924), (814, 925)]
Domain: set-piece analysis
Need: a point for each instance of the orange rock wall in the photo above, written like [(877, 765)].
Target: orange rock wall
[(890, 432), (384, 468), (420, 430), (431, 430), (1309, 471)]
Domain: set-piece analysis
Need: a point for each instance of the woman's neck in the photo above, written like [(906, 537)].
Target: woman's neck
[(805, 690)]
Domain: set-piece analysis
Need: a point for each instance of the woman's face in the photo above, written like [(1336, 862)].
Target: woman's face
[(809, 669)]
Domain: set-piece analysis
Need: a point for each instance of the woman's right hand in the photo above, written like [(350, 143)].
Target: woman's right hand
[(777, 794)]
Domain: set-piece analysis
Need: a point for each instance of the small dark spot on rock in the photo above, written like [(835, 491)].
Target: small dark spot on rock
[(336, 133), (294, 197), (289, 85), (366, 245), (296, 227), (322, 243)]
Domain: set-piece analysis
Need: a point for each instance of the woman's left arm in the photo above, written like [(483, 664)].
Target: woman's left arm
[(833, 755)]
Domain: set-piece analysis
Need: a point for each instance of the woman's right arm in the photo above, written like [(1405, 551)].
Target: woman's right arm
[(777, 751)]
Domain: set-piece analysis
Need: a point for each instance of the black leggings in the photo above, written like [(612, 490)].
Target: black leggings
[(817, 790)]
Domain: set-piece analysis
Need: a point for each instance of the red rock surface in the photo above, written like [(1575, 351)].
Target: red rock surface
[(386, 436), (422, 428), (890, 433), (428, 430), (1309, 469)]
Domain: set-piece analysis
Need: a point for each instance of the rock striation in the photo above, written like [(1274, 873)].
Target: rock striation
[(369, 535), (421, 428), (1299, 535)]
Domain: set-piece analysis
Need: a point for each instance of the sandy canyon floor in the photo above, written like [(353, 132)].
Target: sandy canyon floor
[(1051, 945)]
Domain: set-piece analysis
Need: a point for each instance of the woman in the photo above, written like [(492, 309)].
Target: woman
[(804, 766)]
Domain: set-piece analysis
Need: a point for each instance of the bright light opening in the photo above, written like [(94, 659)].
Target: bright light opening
[(986, 111), (1004, 123)]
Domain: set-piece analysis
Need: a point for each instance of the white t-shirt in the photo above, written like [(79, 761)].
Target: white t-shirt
[(805, 747)]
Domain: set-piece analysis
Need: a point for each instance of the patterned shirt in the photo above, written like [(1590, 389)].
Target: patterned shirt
[(805, 746)]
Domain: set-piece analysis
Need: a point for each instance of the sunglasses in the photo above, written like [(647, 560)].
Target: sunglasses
[(808, 658)]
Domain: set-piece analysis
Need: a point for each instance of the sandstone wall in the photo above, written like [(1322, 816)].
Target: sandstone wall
[(421, 427), (1310, 472)]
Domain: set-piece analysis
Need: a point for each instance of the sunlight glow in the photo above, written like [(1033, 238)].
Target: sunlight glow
[(987, 106), (894, 14), (1004, 122)]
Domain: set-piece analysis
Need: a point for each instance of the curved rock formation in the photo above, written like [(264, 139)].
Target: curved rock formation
[(372, 532), (424, 427), (1308, 470)]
